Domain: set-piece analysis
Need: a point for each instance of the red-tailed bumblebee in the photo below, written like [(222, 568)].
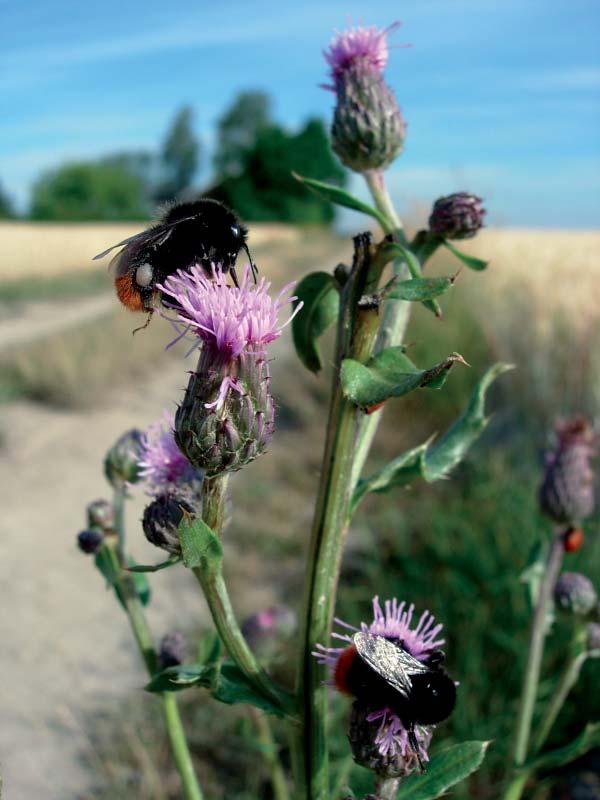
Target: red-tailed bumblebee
[(202, 231), (381, 673)]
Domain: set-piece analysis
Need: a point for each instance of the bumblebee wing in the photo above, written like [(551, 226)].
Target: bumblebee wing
[(390, 661), (135, 238), (156, 236)]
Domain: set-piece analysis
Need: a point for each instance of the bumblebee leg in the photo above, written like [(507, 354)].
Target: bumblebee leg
[(145, 325), (234, 277), (412, 739)]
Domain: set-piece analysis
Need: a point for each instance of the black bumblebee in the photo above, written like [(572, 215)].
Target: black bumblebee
[(380, 673), (201, 232)]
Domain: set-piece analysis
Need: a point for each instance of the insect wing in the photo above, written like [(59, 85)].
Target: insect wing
[(390, 661), (157, 236)]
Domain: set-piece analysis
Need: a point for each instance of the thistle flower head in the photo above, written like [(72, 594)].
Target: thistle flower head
[(228, 320), (457, 216), (172, 650), (367, 46), (395, 621), (90, 540), (575, 593), (162, 465), (121, 461), (162, 518), (567, 491), (100, 514)]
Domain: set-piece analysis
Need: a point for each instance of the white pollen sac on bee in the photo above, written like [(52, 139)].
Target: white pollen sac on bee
[(143, 275)]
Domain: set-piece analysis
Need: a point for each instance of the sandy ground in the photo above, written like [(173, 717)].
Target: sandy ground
[(66, 645)]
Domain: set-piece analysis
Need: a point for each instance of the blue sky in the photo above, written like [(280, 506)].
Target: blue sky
[(501, 98)]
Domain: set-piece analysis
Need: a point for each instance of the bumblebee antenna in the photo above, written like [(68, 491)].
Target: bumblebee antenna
[(253, 266)]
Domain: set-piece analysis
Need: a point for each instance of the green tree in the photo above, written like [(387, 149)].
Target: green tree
[(6, 207), (238, 128), (179, 157), (266, 189), (89, 191)]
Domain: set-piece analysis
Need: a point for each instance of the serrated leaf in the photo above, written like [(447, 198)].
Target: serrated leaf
[(183, 676), (419, 289), (477, 264), (170, 562), (433, 462), (414, 267), (390, 374), (233, 687), (587, 739), (450, 449), (445, 769), (341, 197), (321, 300), (200, 546), (142, 585)]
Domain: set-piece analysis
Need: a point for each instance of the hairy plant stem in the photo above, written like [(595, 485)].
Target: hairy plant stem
[(215, 590), (355, 336), (568, 679), (387, 788), (143, 637), (532, 669), (268, 746)]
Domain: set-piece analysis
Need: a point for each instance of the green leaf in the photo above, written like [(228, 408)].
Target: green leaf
[(420, 289), (535, 570), (470, 261), (209, 649), (142, 585), (414, 267), (106, 562), (445, 769), (343, 198), (390, 374), (233, 687), (587, 739), (200, 546), (450, 449), (321, 300), (183, 676), (155, 567), (433, 462)]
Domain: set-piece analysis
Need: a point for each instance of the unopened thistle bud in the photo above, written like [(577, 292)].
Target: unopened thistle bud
[(172, 650), (457, 216), (368, 130), (593, 636), (567, 491), (121, 461), (162, 519), (575, 593), (227, 415), (90, 540), (100, 514)]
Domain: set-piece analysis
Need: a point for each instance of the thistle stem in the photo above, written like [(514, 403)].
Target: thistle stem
[(269, 751), (534, 662), (143, 637), (387, 788), (215, 590)]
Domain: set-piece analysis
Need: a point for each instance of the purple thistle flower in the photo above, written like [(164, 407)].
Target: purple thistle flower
[(394, 621), (364, 46), (162, 464), (227, 319)]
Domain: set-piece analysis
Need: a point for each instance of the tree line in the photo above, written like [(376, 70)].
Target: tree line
[(252, 172)]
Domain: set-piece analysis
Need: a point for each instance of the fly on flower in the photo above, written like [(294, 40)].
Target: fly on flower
[(397, 672), (198, 233)]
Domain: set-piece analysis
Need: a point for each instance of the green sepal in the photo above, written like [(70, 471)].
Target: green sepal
[(587, 740), (414, 267), (319, 293), (200, 546), (445, 769), (141, 582), (435, 461), (170, 562), (477, 264), (420, 289), (341, 197), (390, 374)]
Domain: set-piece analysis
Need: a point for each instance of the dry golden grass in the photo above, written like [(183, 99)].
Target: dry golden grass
[(38, 248)]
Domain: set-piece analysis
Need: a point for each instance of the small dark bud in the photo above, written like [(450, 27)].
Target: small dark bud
[(90, 540), (457, 216), (575, 593), (172, 650), (265, 630), (100, 514), (162, 519), (567, 491), (121, 462)]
